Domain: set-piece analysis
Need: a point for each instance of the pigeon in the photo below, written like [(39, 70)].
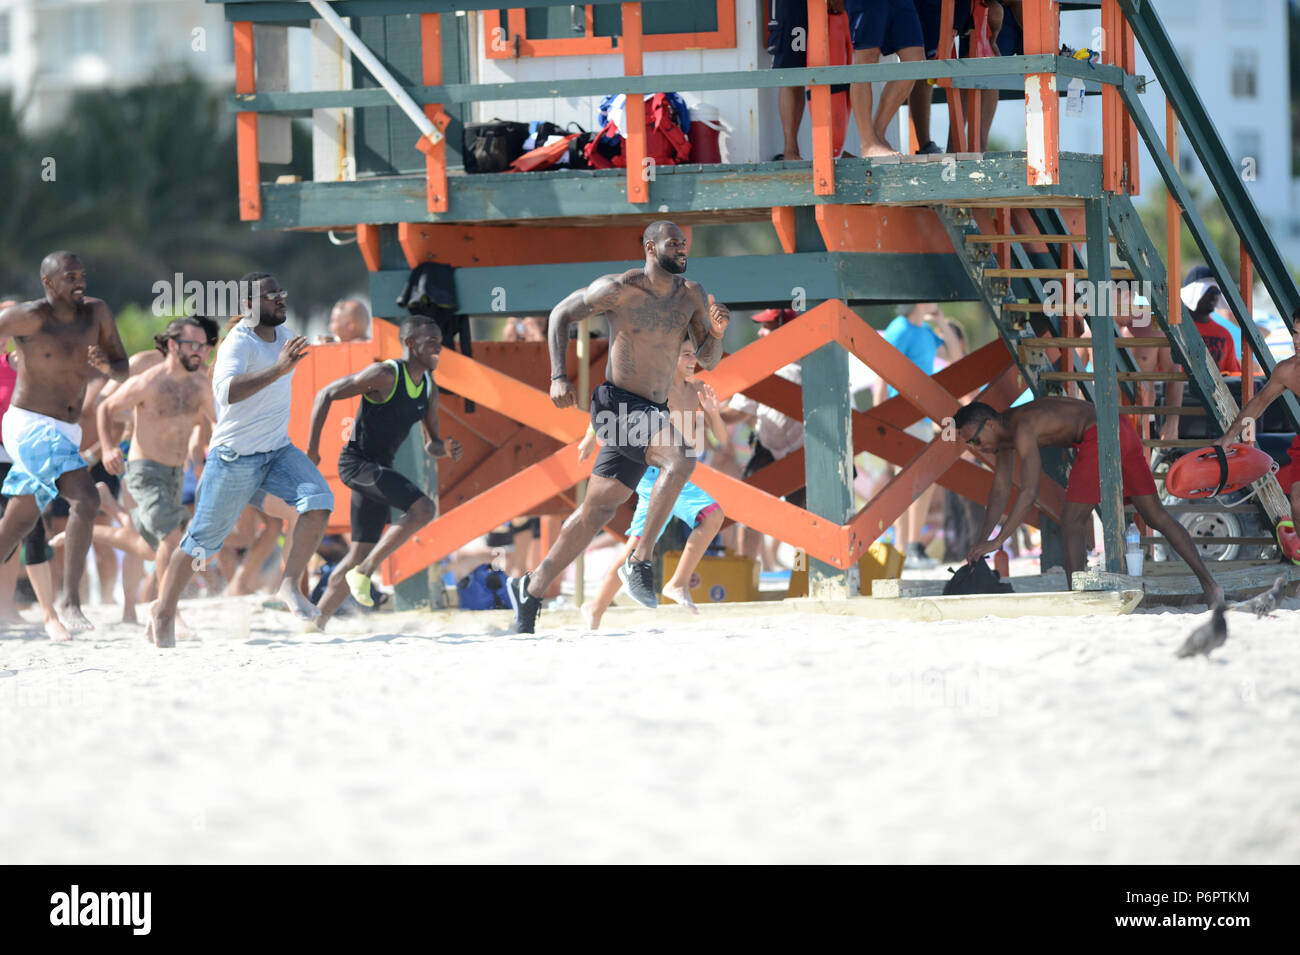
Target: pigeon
[(1264, 604), (1206, 637)]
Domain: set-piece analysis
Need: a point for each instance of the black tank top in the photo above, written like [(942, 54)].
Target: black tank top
[(382, 426)]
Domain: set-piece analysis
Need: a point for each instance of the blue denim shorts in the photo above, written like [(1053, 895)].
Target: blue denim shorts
[(229, 482)]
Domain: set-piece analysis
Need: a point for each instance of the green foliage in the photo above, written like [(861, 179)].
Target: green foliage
[(143, 187)]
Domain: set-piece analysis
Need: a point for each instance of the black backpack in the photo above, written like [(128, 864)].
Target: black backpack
[(493, 146), (976, 578)]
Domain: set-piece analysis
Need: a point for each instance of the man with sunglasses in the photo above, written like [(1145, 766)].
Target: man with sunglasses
[(250, 453), (167, 401), (1066, 423)]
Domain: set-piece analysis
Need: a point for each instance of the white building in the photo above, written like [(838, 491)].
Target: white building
[(50, 49)]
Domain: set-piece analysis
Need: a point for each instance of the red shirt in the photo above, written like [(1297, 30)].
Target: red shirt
[(1219, 344)]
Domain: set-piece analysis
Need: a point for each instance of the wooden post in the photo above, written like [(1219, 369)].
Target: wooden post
[(1042, 104), (250, 185), (1173, 225), (823, 139), (435, 154), (1105, 391), (1112, 113), (638, 182), (1247, 356), (828, 459)]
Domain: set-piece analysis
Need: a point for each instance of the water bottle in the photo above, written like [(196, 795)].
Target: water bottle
[(1074, 97), (1133, 550)]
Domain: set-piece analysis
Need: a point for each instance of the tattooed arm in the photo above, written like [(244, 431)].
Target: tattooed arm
[(706, 328), (600, 296)]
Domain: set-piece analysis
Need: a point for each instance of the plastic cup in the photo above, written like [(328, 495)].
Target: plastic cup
[(1135, 559)]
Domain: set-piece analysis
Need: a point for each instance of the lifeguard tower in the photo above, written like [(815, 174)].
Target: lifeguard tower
[(393, 82)]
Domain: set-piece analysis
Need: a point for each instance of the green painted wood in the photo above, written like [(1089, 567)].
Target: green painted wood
[(828, 458), (1005, 67), (1220, 168), (1105, 397), (742, 281), (675, 189), (1196, 225)]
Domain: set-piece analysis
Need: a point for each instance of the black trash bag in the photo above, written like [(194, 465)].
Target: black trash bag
[(976, 578)]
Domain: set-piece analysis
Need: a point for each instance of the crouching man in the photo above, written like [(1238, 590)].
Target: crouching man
[(1066, 423)]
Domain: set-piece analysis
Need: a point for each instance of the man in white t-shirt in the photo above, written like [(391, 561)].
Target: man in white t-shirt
[(250, 453)]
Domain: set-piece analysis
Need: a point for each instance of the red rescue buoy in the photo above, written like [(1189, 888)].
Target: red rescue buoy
[(1288, 540), (1212, 471)]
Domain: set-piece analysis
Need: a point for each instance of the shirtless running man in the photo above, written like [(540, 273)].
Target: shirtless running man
[(1285, 377), (168, 400), (651, 311), (63, 340), (1064, 423)]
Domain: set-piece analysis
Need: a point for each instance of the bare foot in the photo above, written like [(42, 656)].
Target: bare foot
[(73, 618), (148, 629), (876, 152), (1213, 596), (590, 616), (682, 596), (164, 630), (56, 630), (298, 605), (128, 615), (183, 629)]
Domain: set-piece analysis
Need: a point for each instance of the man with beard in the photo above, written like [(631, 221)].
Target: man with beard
[(250, 452), (650, 311), (167, 401), (62, 340)]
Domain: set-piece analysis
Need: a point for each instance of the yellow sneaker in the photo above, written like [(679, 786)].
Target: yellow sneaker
[(359, 584)]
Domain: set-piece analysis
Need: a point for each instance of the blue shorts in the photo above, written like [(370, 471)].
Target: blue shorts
[(691, 505), (787, 16), (887, 25), (930, 13), (231, 480)]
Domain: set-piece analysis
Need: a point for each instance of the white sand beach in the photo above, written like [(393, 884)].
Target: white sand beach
[(782, 738)]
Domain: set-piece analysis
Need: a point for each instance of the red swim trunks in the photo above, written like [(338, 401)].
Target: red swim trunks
[(1085, 484), (1290, 472)]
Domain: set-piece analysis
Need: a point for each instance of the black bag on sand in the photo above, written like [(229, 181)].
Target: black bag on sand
[(493, 146), (976, 578)]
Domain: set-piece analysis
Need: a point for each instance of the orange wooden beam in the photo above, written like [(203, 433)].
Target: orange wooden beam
[(435, 154), (638, 185), (477, 245), (250, 180), (823, 135), (527, 405), (1042, 104)]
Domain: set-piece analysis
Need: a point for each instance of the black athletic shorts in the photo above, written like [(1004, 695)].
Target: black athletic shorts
[(35, 550), (625, 424), (375, 489), (59, 506)]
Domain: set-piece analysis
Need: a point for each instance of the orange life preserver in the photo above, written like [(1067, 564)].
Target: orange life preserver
[(1288, 540), (1212, 471)]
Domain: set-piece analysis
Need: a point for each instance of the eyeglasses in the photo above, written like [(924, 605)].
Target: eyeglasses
[(279, 296), (974, 438), (193, 345)]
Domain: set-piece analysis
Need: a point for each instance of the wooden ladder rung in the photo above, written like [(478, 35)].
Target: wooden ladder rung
[(981, 238), (1120, 376), (1038, 307), (1120, 274), (1050, 341), (1174, 442), (1201, 509), (1159, 410)]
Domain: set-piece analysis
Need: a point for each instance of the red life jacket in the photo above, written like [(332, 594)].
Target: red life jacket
[(665, 142)]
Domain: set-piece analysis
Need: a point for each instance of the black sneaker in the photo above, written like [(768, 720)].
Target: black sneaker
[(524, 604), (638, 578)]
